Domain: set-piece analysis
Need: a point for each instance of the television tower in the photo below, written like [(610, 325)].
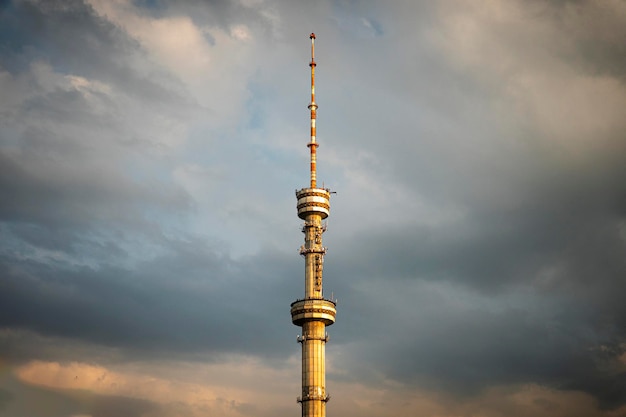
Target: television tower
[(314, 312)]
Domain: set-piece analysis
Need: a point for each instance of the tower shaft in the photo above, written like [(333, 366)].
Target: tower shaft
[(314, 312)]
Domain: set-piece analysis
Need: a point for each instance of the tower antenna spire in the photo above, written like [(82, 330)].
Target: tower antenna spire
[(313, 108)]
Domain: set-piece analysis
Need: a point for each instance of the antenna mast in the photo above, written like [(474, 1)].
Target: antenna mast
[(313, 108)]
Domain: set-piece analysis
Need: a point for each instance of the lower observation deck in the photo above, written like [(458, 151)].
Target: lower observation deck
[(313, 309)]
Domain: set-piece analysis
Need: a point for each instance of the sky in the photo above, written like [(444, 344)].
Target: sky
[(149, 153)]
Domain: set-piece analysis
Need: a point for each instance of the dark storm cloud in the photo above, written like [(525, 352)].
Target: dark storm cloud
[(470, 350), (446, 338), (73, 38), (600, 31), (205, 308), (509, 238)]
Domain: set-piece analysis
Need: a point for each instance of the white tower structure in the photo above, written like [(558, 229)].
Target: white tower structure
[(313, 313)]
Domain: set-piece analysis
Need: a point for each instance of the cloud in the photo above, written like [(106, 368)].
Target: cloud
[(205, 310), (149, 152), (160, 389)]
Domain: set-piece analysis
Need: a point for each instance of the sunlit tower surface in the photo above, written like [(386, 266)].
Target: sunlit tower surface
[(314, 312)]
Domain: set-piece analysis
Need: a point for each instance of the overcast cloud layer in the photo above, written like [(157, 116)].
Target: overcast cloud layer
[(149, 151)]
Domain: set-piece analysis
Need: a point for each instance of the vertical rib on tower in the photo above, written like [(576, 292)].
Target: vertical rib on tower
[(313, 313)]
